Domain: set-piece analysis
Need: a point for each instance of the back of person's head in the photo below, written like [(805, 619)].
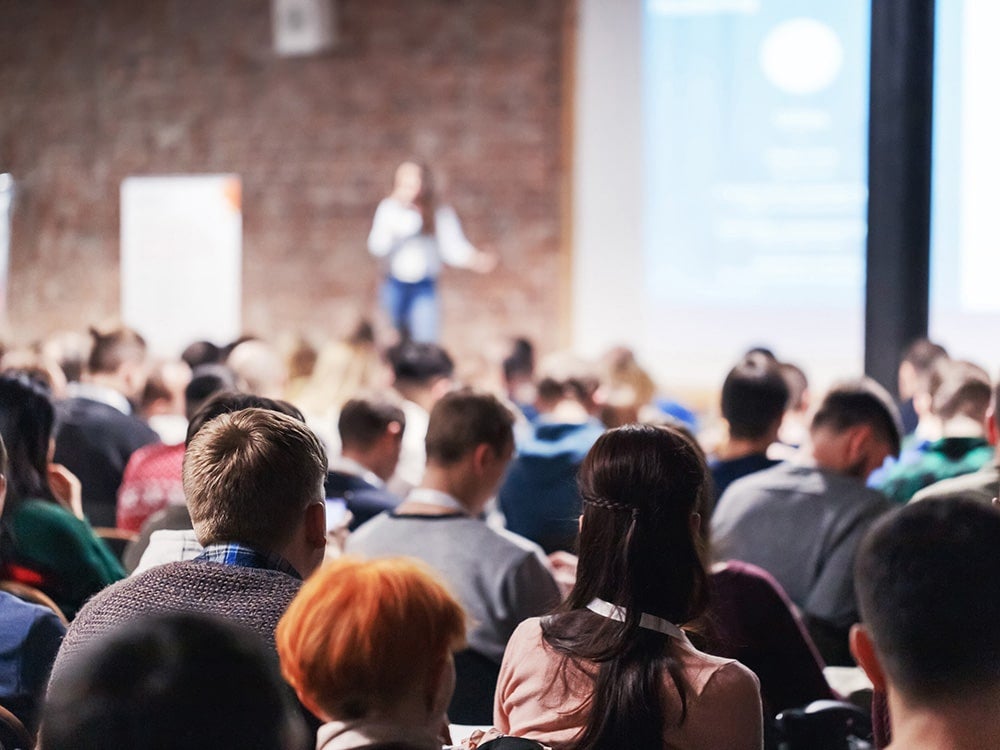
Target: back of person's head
[(419, 364), (163, 392), (172, 681), (260, 367), (27, 418), (249, 476), (363, 637), (861, 402), (226, 402), (641, 486), (113, 349), (798, 386), (916, 367), (365, 418), (200, 353), (464, 419), (70, 350), (964, 390), (754, 398), (520, 361), (565, 376), (206, 381), (928, 584)]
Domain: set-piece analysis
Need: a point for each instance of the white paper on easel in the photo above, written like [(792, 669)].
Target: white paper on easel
[(181, 258)]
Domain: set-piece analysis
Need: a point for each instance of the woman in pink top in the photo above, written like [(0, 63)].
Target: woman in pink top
[(612, 668)]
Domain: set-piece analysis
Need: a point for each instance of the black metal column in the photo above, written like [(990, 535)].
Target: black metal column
[(899, 182)]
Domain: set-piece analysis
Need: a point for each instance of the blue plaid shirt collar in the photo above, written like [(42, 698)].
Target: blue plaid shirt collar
[(240, 555)]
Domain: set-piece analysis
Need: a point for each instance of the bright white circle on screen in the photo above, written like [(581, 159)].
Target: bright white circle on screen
[(801, 56)]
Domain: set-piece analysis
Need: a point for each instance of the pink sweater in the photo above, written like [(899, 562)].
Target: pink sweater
[(723, 699)]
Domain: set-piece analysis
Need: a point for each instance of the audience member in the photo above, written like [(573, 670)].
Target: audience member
[(70, 350), (167, 535), (915, 371), (254, 486), (341, 649), (519, 377), (627, 389), (422, 373), (802, 524), (259, 368), (172, 680), (97, 429), (539, 497), (152, 478), (47, 543), (982, 485), (794, 432), (201, 353), (371, 436), (500, 577), (161, 404), (928, 583), (29, 639), (754, 398), (961, 400), (612, 667)]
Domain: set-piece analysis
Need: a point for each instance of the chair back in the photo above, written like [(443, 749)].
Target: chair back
[(13, 735), (824, 725), (475, 683)]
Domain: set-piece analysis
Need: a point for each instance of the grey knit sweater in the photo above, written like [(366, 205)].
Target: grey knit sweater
[(253, 597)]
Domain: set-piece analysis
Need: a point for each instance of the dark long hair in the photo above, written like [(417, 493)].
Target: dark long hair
[(427, 200), (27, 418), (640, 485)]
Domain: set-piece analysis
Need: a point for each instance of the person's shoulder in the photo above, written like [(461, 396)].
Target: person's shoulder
[(719, 674), (20, 617), (511, 542), (979, 485)]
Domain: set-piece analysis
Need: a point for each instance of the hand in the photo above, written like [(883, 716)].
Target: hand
[(564, 570), (67, 488)]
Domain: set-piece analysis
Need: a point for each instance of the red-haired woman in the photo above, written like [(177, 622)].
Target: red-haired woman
[(368, 648)]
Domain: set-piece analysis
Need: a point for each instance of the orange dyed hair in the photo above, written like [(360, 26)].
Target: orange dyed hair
[(362, 634)]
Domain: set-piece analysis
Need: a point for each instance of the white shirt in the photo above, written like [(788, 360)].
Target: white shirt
[(413, 256), (100, 393)]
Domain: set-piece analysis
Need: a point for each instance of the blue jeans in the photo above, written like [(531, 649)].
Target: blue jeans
[(413, 308)]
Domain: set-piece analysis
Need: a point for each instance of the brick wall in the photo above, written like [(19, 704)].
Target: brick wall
[(94, 91)]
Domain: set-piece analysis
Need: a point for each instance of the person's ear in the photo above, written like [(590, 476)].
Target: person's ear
[(863, 651), (440, 686), (992, 431), (482, 454), (858, 442), (315, 524), (695, 522), (3, 491)]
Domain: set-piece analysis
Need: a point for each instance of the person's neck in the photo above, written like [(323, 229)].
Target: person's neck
[(969, 723), (961, 426), (736, 448), (363, 459), (448, 481), (421, 396), (567, 411)]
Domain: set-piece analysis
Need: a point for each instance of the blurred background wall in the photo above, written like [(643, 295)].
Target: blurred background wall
[(93, 91)]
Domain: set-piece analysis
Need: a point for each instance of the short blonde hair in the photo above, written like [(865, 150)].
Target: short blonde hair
[(249, 475), (361, 635)]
